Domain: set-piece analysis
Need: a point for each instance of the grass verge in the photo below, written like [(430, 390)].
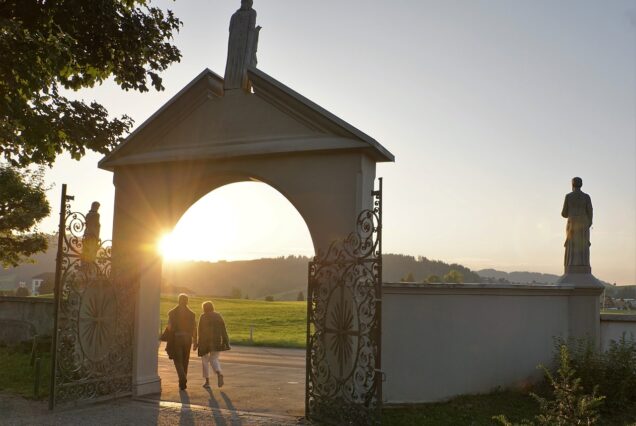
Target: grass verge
[(478, 410), (474, 410)]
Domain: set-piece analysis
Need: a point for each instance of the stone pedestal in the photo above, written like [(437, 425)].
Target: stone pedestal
[(584, 304)]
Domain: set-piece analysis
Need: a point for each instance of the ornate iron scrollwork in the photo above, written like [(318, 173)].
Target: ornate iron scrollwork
[(343, 383), (92, 357)]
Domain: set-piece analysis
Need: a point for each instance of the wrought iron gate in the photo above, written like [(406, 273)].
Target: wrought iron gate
[(344, 380), (93, 329)]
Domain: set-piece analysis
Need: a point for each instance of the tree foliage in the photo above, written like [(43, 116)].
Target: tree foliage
[(23, 204), (453, 276), (71, 44), (51, 47), (408, 278)]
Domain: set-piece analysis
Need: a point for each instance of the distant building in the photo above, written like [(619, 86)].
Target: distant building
[(35, 286)]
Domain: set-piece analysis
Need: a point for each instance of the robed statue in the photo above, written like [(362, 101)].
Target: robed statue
[(242, 45), (90, 240), (577, 208)]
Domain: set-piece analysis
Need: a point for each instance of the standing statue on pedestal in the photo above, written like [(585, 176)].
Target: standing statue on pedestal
[(242, 45), (90, 241), (577, 208)]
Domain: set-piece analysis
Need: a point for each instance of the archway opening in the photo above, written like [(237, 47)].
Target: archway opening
[(244, 247)]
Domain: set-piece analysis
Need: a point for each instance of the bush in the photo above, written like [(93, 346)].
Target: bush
[(613, 371), (269, 298), (569, 403)]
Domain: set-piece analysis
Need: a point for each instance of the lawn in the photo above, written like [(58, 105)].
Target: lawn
[(280, 324), (17, 374)]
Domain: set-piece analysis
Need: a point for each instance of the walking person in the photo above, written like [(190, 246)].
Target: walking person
[(213, 339), (182, 326)]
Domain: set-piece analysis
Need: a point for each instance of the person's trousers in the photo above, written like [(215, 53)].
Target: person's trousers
[(182, 346), (211, 358)]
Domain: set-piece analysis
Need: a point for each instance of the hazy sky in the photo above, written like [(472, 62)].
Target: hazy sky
[(490, 108)]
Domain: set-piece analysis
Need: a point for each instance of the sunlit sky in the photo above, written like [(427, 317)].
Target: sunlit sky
[(490, 108)]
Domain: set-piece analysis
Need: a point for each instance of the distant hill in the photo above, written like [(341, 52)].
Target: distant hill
[(281, 277), (284, 277), (519, 277), (526, 277), (396, 266)]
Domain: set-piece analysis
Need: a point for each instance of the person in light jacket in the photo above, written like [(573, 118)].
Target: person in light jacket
[(213, 339)]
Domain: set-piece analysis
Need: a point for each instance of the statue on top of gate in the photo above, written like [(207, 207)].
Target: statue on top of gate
[(241, 49), (90, 241), (577, 208)]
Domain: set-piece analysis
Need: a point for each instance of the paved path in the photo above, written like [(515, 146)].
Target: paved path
[(263, 387), (260, 380), (127, 412)]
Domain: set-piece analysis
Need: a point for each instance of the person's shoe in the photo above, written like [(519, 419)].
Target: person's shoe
[(220, 377), (206, 385)]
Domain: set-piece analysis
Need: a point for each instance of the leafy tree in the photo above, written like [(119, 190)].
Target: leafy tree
[(300, 297), (453, 276), (236, 293), (408, 278), (73, 44), (49, 46), (22, 292), (22, 205), (433, 279)]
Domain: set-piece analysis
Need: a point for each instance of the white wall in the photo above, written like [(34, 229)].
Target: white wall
[(443, 340), (614, 325)]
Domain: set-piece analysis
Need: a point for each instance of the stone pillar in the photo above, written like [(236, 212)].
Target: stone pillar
[(584, 306), (146, 379), (137, 263)]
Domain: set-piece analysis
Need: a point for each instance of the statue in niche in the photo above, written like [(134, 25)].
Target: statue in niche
[(242, 45), (577, 208), (90, 240)]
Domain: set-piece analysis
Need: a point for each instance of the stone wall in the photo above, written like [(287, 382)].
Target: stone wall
[(23, 317), (443, 340), (614, 325)]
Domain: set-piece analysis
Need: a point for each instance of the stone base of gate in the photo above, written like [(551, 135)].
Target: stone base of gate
[(147, 386)]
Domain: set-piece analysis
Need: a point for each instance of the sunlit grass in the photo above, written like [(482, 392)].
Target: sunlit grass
[(280, 324)]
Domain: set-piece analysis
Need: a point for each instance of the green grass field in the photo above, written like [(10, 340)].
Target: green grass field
[(280, 324)]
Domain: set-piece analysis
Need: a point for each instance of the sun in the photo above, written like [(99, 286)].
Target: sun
[(167, 248)]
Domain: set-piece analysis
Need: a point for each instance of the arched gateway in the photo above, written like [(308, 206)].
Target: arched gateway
[(215, 132)]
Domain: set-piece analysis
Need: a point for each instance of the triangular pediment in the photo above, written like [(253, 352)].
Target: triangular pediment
[(204, 122)]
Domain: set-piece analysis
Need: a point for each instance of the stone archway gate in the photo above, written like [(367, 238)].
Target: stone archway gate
[(216, 131), (94, 313)]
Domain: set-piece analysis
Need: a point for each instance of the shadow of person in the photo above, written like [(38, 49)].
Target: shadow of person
[(216, 409), (236, 420), (186, 418)]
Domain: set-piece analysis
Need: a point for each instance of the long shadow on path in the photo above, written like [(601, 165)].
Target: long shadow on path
[(257, 380)]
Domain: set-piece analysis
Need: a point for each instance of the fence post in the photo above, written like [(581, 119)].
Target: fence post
[(34, 349), (251, 333), (36, 383)]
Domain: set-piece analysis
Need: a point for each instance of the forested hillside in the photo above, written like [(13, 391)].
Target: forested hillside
[(285, 277)]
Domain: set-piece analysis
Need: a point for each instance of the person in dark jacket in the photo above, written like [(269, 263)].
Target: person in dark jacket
[(213, 339), (182, 325)]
